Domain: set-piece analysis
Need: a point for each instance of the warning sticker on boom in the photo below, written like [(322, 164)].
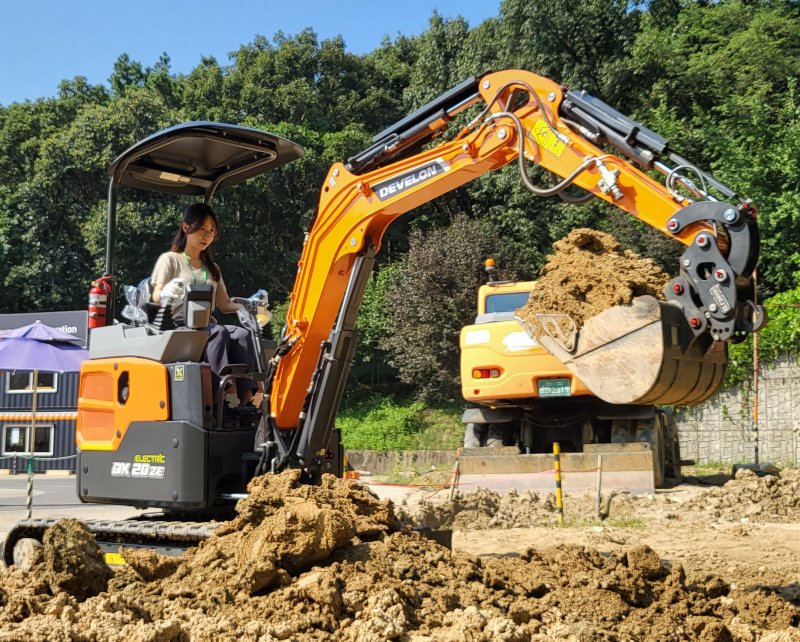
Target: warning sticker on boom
[(547, 139)]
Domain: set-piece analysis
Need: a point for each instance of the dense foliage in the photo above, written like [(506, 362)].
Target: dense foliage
[(385, 423), (432, 295), (781, 334), (719, 80)]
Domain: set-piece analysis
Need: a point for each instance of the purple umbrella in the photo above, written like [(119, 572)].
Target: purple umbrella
[(39, 347), (17, 353), (39, 331)]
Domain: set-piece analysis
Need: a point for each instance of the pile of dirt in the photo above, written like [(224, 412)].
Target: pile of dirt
[(73, 562), (748, 497), (590, 272), (334, 563), (484, 509), (771, 498)]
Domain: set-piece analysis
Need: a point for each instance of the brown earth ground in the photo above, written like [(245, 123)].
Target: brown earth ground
[(336, 563), (747, 530)]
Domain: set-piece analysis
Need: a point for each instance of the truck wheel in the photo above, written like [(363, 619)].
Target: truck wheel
[(494, 438), (472, 435), (672, 450)]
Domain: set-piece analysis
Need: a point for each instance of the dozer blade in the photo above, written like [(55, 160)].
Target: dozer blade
[(643, 353), (625, 466)]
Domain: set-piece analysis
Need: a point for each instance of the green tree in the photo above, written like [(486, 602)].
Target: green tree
[(430, 297), (436, 67), (48, 220), (204, 88), (159, 79), (719, 81), (781, 335), (372, 366), (127, 73), (580, 43)]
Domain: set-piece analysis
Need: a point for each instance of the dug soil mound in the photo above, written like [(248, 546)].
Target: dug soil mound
[(587, 273), (746, 498), (771, 498), (334, 563), (487, 509), (72, 561)]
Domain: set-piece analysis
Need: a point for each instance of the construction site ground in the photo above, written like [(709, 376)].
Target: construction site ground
[(747, 532), (708, 560)]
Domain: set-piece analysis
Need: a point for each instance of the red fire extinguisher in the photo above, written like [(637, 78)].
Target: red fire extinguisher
[(99, 295)]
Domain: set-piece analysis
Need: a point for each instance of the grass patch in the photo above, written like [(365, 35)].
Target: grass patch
[(614, 522), (441, 429), (707, 468), (710, 473), (626, 522), (387, 423)]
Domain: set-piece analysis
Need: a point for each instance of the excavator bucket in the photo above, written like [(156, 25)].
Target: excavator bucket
[(643, 353)]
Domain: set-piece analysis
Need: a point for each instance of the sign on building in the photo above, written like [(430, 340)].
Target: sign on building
[(74, 322)]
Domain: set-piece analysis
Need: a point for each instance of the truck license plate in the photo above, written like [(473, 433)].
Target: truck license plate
[(554, 387)]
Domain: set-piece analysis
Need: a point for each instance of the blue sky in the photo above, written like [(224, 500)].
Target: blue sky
[(45, 41)]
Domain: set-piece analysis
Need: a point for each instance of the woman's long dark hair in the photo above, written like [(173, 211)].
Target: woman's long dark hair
[(194, 216)]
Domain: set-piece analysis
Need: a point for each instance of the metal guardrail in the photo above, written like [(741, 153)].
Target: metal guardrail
[(30, 464), (14, 459)]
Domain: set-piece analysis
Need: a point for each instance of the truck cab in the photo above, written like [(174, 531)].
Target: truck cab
[(501, 365)]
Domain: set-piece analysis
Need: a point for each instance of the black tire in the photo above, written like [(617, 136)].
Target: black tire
[(672, 450), (495, 436), (659, 452), (472, 435)]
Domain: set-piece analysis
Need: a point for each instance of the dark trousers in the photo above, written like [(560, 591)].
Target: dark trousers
[(231, 344)]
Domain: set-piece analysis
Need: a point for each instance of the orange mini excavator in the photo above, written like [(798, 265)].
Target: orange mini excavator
[(152, 428)]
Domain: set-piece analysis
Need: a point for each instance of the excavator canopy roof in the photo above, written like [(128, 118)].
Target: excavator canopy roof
[(200, 158)]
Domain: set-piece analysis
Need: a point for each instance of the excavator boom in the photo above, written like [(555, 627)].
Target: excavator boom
[(674, 350)]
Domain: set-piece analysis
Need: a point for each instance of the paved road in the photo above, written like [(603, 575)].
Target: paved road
[(52, 497)]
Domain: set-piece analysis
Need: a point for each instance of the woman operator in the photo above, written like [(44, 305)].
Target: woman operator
[(189, 260)]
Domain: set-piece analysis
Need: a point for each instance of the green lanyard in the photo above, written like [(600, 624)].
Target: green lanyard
[(191, 269)]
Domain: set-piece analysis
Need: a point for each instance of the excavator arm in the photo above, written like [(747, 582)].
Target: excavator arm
[(531, 120)]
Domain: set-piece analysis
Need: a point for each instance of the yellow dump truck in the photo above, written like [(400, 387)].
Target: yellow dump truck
[(522, 400)]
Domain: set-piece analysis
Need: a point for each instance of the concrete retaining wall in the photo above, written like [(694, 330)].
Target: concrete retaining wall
[(723, 428), (386, 463)]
